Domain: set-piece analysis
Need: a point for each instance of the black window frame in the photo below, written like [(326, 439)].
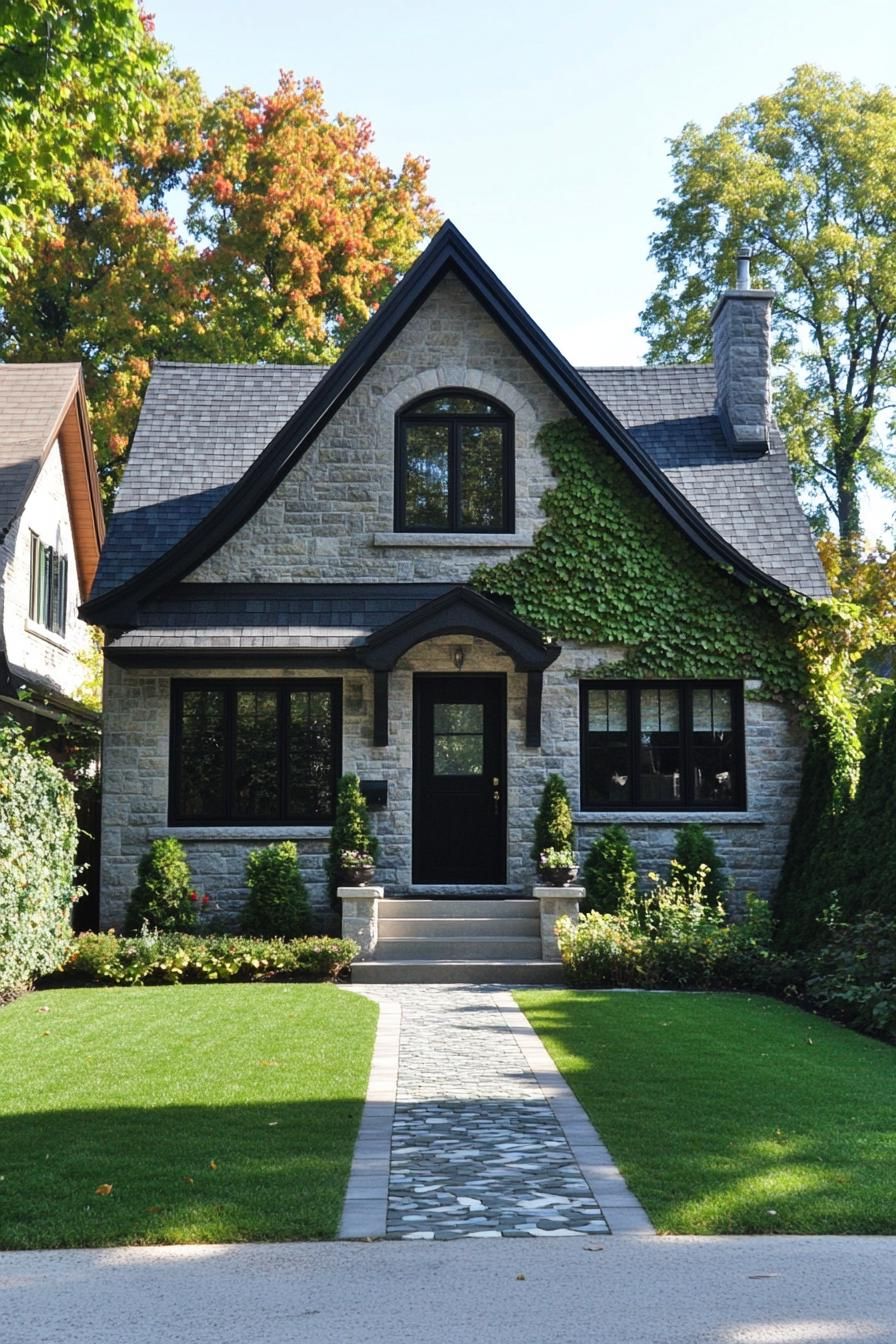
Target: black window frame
[(232, 686), (48, 587), (685, 689), (456, 422)]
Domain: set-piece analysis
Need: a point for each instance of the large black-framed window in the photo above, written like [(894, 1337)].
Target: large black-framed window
[(454, 464), (255, 752), (48, 593), (662, 746)]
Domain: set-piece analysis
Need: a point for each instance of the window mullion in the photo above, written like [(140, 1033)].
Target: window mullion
[(633, 697), (454, 476), (229, 749), (686, 719)]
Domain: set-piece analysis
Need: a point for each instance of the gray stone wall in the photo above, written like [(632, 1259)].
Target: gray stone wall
[(136, 774), (741, 339), (332, 518)]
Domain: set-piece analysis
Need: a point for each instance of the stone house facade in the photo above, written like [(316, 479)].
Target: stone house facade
[(286, 595)]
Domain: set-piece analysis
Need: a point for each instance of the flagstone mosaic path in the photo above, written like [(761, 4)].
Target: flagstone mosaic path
[(480, 1143)]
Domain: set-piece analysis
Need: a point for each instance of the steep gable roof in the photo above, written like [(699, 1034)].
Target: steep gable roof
[(178, 539), (40, 403)]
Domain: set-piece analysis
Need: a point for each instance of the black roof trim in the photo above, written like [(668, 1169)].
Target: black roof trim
[(461, 611), (449, 252)]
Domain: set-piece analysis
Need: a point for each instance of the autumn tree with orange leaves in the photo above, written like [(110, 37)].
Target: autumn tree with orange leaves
[(293, 234)]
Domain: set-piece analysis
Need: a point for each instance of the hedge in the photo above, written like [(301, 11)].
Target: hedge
[(38, 843)]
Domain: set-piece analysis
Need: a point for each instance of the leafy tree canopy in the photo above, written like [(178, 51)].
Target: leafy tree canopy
[(294, 233), (805, 177), (75, 77)]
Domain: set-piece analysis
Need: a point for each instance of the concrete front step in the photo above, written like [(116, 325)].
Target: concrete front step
[(458, 949), (457, 972), (412, 907), (512, 926)]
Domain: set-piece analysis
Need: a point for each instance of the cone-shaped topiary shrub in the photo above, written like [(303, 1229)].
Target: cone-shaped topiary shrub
[(351, 829), (553, 822), (611, 872), (695, 849), (163, 897), (278, 900)]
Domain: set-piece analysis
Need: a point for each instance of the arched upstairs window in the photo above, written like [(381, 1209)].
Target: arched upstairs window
[(454, 464)]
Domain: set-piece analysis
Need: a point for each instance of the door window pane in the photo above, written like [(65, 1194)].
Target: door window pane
[(481, 476), (202, 758), (458, 739), (255, 775), (426, 476), (454, 403)]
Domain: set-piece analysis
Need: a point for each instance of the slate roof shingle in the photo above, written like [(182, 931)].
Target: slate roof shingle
[(203, 425)]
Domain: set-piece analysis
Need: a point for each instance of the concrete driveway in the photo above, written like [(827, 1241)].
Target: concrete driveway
[(595, 1290)]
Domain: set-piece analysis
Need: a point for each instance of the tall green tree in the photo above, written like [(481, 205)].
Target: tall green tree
[(76, 76), (805, 177), (294, 233)]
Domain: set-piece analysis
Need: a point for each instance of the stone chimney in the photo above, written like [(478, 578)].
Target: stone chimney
[(742, 345)]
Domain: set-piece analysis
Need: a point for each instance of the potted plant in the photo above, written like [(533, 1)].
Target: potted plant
[(353, 846), (557, 867), (552, 846), (356, 867)]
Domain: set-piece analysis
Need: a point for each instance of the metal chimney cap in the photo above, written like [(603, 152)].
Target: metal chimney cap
[(744, 255)]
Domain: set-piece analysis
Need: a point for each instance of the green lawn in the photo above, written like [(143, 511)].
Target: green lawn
[(215, 1113), (732, 1114)]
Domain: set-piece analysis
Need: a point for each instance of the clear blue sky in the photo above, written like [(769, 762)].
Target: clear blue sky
[(544, 121)]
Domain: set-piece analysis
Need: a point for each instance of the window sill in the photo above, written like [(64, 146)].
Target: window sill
[(245, 833), (467, 540), (41, 632), (622, 818)]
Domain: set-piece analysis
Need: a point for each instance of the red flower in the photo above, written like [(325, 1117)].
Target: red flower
[(206, 898), (193, 896)]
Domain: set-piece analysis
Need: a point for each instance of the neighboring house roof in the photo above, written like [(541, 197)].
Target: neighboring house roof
[(213, 444), (40, 403)]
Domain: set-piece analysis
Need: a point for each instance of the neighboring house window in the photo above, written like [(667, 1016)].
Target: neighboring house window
[(255, 752), (454, 465), (49, 586), (662, 745)]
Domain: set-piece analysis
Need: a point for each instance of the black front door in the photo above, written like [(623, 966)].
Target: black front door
[(459, 777)]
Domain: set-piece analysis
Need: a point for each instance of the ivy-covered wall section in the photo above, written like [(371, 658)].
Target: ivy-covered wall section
[(608, 568)]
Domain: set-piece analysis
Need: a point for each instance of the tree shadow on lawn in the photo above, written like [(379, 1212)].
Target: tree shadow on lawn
[(270, 1172), (728, 1113)]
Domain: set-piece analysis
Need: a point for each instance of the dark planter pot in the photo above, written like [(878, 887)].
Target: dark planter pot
[(356, 877), (559, 877)]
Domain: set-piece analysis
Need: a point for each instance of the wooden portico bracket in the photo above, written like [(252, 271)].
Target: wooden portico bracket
[(460, 611)]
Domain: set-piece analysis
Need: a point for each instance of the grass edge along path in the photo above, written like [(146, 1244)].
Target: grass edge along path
[(177, 1114), (730, 1113)]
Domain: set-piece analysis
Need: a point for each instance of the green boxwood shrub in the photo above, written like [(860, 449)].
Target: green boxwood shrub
[(351, 829), (673, 936), (38, 843), (553, 822), (278, 900), (172, 958), (610, 873), (163, 898), (853, 975), (696, 850)]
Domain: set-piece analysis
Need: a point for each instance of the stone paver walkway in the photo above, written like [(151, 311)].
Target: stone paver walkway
[(484, 1137)]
